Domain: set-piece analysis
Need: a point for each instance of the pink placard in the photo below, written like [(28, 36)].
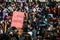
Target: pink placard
[(17, 19)]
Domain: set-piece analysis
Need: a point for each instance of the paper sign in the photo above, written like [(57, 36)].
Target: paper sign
[(17, 19)]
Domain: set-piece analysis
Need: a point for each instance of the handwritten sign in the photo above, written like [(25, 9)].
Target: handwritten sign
[(17, 19)]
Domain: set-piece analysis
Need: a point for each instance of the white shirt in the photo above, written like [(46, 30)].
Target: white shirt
[(30, 33), (34, 9)]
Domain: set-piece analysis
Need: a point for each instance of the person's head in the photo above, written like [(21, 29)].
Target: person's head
[(20, 31), (1, 31), (26, 4), (1, 9), (15, 30), (49, 10), (13, 5), (54, 8), (33, 25), (1, 5), (21, 5), (41, 19), (11, 32), (29, 21), (34, 19), (14, 8), (51, 22), (4, 5), (30, 4), (29, 25)]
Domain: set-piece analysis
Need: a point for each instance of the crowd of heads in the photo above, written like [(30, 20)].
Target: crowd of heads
[(41, 19)]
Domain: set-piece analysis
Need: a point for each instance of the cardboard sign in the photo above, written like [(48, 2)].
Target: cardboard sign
[(17, 19)]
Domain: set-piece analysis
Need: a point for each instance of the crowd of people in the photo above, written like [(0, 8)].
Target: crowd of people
[(41, 22)]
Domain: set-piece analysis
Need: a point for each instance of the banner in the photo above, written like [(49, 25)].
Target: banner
[(17, 19)]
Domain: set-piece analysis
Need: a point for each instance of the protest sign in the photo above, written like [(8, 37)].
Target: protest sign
[(17, 19)]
